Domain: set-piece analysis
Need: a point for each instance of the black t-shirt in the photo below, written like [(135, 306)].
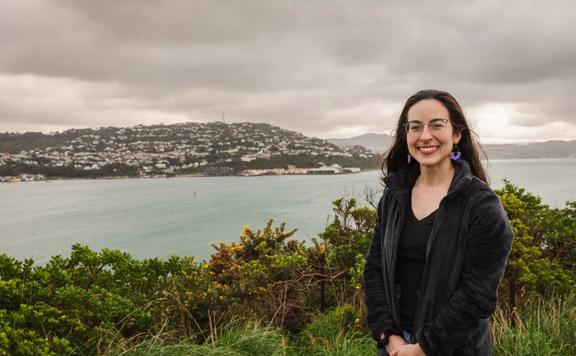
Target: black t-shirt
[(410, 262)]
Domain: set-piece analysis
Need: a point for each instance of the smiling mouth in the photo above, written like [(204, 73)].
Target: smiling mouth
[(427, 149)]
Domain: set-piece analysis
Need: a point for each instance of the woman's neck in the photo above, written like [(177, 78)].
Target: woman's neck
[(437, 175)]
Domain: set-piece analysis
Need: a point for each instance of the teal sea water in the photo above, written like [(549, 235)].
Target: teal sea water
[(184, 216)]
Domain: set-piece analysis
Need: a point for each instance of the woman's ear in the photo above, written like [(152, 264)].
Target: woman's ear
[(457, 137)]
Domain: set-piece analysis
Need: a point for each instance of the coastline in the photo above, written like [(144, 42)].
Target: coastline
[(188, 175), (200, 175)]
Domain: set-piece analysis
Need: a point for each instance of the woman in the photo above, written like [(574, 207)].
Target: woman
[(441, 239)]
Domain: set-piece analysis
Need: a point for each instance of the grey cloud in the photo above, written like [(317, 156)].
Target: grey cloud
[(313, 67)]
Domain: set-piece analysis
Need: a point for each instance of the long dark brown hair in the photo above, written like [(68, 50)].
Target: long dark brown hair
[(395, 157)]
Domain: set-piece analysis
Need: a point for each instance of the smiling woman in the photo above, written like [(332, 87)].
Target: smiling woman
[(441, 239), (430, 142), (429, 105)]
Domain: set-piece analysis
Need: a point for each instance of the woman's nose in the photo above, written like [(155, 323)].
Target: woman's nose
[(425, 133)]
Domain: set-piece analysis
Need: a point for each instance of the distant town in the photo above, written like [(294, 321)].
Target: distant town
[(204, 149)]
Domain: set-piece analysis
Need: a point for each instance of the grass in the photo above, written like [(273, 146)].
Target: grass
[(544, 328), (339, 332), (236, 339)]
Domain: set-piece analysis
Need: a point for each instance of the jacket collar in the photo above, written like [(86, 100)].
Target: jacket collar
[(402, 181)]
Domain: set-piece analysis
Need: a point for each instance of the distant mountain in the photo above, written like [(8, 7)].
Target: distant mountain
[(549, 149), (376, 142)]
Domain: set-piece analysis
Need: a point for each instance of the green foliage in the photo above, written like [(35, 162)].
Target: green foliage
[(339, 332), (19, 337), (262, 272), (543, 257), (334, 324), (234, 339), (251, 339), (343, 245), (80, 303), (109, 170), (345, 345), (16, 142), (349, 234), (543, 327), (105, 302)]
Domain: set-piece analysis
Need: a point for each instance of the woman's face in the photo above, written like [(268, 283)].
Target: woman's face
[(430, 135)]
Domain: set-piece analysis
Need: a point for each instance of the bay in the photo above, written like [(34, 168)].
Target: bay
[(184, 216)]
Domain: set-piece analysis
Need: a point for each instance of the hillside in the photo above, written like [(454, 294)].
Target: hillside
[(163, 150)]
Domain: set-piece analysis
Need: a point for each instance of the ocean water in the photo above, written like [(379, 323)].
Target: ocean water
[(185, 216)]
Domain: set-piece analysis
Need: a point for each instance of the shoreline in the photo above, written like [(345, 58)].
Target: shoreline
[(200, 175), (46, 180)]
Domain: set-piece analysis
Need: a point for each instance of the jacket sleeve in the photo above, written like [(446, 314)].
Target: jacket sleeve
[(379, 316), (488, 245)]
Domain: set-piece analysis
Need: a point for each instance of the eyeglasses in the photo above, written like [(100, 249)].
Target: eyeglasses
[(417, 127)]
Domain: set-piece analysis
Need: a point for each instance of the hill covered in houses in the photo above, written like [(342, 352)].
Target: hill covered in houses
[(214, 148)]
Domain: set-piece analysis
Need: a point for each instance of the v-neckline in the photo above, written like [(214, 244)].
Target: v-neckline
[(424, 219)]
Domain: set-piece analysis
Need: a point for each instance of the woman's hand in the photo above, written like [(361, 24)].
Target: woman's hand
[(394, 342), (408, 350)]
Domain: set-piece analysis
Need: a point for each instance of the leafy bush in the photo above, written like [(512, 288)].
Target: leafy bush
[(543, 257), (106, 302)]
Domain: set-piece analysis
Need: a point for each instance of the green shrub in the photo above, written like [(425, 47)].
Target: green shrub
[(102, 302)]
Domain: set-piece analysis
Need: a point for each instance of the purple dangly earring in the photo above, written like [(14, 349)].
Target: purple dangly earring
[(455, 154), (409, 158)]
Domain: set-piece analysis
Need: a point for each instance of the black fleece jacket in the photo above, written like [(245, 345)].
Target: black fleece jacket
[(465, 260)]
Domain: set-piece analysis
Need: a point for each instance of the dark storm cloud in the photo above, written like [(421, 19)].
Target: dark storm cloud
[(324, 68)]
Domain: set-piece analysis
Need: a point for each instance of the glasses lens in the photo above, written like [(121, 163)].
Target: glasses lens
[(414, 126), (437, 124)]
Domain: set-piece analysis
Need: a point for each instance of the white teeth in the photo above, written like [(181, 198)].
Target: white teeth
[(427, 149)]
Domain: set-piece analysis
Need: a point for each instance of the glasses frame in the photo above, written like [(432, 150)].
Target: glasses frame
[(407, 123)]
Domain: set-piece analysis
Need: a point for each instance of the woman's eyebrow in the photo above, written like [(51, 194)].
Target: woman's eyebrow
[(435, 118)]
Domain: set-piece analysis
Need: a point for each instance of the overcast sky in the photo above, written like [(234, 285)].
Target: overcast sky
[(324, 68)]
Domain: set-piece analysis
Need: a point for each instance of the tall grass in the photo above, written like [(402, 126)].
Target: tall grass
[(545, 327), (340, 332), (235, 339)]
